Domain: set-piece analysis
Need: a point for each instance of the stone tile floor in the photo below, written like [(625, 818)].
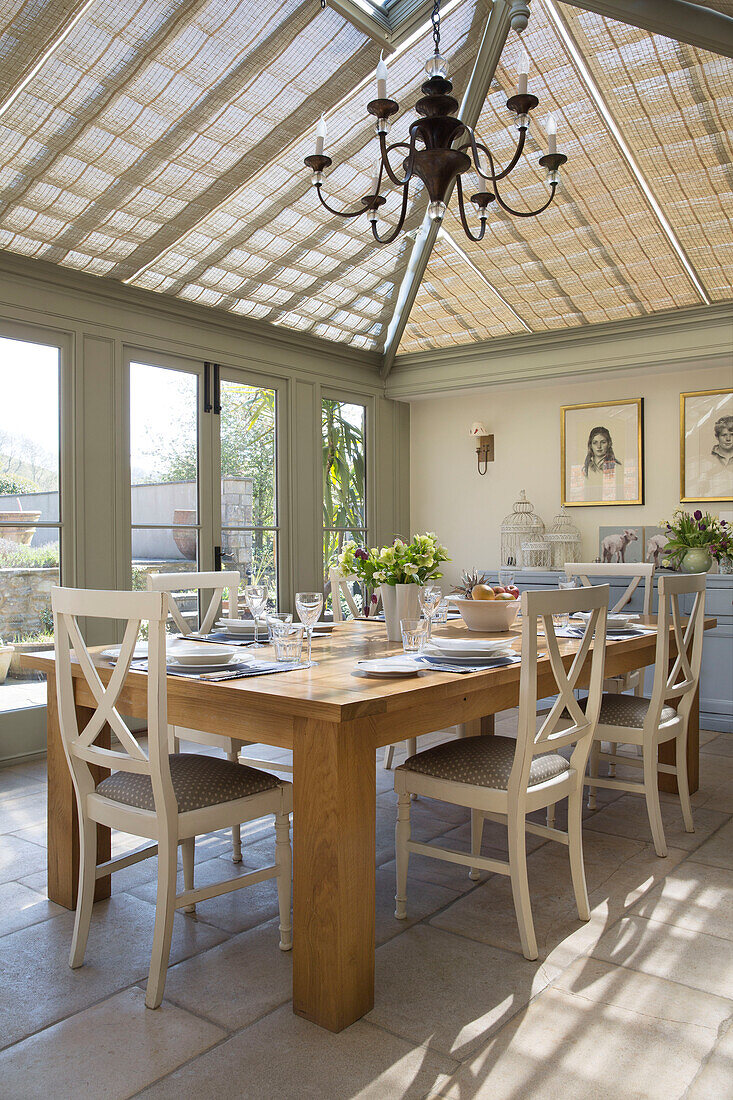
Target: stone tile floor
[(637, 1003)]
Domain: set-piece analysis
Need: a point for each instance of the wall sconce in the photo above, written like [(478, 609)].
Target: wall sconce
[(485, 449)]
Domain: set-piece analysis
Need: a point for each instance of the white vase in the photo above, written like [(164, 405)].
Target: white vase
[(400, 601)]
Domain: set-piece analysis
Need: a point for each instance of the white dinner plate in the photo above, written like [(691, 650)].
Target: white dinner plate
[(616, 618), (211, 666), (489, 661), (388, 666), (201, 653), (141, 650), (468, 647)]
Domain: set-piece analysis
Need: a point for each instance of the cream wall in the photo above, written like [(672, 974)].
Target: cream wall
[(466, 510)]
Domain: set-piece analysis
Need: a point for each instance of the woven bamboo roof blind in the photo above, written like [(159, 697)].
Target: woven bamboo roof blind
[(161, 143)]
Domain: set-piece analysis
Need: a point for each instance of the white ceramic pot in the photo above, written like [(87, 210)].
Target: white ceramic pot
[(6, 653), (400, 601)]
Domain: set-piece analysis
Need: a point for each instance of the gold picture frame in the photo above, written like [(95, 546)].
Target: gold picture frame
[(595, 471), (703, 472)]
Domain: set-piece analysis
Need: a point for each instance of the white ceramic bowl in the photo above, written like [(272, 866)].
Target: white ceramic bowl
[(189, 653), (487, 616)]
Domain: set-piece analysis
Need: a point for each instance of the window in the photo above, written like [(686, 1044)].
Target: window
[(30, 512), (344, 479)]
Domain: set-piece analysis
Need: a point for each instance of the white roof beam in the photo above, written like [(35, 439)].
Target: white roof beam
[(492, 43), (678, 19)]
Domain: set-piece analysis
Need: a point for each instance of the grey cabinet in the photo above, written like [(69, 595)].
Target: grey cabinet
[(716, 678)]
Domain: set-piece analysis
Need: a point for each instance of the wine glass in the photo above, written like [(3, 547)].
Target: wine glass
[(506, 577), (309, 606), (256, 597), (430, 597)]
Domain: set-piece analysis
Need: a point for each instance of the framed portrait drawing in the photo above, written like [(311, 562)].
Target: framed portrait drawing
[(602, 453), (706, 445)]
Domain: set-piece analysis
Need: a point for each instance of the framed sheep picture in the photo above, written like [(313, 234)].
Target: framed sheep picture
[(602, 453), (619, 545)]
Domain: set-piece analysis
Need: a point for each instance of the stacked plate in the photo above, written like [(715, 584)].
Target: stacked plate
[(241, 628), (617, 622), (469, 651), (204, 657)]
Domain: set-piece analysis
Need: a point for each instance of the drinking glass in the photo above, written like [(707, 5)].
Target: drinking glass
[(276, 620), (288, 642), (441, 612), (414, 634), (256, 597), (309, 606), (506, 577), (430, 597), (566, 582), (560, 619)]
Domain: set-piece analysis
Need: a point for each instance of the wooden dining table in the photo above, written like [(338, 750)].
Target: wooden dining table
[(334, 719)]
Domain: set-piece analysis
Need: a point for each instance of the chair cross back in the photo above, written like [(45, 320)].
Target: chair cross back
[(636, 572), (531, 741), (134, 607), (217, 581), (683, 676)]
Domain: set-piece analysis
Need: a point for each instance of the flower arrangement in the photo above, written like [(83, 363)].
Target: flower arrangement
[(700, 529), (403, 562)]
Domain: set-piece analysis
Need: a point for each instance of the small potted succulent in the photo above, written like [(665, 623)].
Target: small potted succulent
[(695, 539)]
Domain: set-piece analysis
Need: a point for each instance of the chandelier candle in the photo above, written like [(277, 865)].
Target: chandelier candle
[(551, 127), (321, 134), (440, 151)]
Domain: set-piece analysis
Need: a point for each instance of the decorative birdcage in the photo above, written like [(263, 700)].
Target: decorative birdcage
[(536, 554), (564, 540), (523, 525)]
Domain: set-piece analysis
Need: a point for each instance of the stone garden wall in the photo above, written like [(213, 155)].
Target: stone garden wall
[(24, 595)]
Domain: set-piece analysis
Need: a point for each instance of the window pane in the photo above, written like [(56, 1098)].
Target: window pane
[(163, 445), (344, 465), (333, 544), (163, 550), (254, 555), (248, 456), (29, 496)]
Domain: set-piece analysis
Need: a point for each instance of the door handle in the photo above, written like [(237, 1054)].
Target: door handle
[(207, 388)]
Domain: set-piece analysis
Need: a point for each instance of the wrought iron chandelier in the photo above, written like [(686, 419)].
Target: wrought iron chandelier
[(441, 150)]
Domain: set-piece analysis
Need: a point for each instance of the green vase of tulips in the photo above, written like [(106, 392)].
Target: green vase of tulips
[(695, 539)]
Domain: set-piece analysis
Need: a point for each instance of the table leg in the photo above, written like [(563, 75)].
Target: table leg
[(668, 782), (63, 823), (484, 726), (334, 872)]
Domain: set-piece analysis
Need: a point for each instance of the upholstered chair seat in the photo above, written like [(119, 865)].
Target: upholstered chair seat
[(482, 762), (198, 781)]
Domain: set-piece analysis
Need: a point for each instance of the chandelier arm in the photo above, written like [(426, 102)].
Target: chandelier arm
[(403, 213), (464, 220), (475, 146), (526, 213), (338, 213), (385, 150)]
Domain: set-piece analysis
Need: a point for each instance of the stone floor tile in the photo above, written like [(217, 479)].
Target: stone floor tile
[(34, 834), (693, 896), (107, 1052), (305, 1062), (494, 842), (20, 810), (236, 982), (37, 986), (722, 745), (21, 906), (424, 899), (564, 1047), (714, 1079), (438, 872), (19, 858), (718, 851), (425, 826), (233, 912), (18, 781), (448, 993), (487, 913), (644, 994), (627, 816), (696, 959)]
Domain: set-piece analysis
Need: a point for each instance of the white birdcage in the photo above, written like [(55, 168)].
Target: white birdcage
[(564, 540), (522, 525), (536, 554)]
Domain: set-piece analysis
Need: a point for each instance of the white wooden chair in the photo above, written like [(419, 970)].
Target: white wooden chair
[(170, 799), (216, 583), (505, 780), (635, 572), (340, 587), (630, 720)]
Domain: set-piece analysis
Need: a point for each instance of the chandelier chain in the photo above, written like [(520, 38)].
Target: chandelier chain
[(435, 19)]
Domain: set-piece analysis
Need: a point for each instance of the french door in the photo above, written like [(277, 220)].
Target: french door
[(203, 472)]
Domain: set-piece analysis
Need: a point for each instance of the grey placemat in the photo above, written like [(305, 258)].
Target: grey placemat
[(234, 672)]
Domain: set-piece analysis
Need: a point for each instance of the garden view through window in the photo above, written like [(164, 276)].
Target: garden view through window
[(30, 513), (176, 523), (343, 426)]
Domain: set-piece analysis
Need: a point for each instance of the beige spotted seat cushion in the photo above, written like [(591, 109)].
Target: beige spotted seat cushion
[(198, 781), (629, 711), (481, 762)]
